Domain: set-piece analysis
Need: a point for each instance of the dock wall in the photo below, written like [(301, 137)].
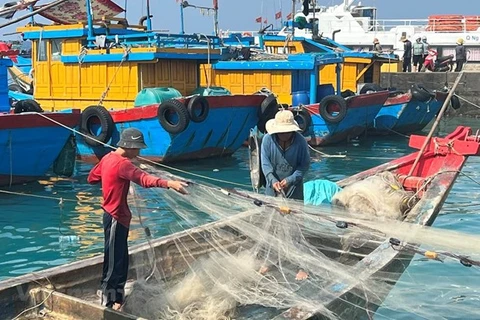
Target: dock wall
[(468, 88)]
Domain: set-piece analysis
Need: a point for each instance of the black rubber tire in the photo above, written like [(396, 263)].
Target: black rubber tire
[(303, 119), (370, 87), (16, 87), (348, 93), (455, 102), (420, 93), (27, 105), (175, 106), (106, 123), (268, 110), (198, 103), (327, 102)]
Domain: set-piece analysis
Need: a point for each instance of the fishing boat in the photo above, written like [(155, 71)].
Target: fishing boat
[(122, 75), (70, 290), (356, 25), (33, 143)]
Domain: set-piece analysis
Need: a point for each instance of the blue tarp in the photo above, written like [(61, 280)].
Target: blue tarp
[(319, 191)]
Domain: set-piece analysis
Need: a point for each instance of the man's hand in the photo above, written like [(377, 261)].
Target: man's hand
[(177, 186), (284, 184)]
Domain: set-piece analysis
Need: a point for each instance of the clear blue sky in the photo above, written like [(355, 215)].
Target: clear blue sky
[(240, 14)]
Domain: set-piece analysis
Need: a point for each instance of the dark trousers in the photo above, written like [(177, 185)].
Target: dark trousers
[(115, 261), (459, 66), (407, 64)]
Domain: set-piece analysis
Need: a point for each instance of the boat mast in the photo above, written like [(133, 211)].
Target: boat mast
[(293, 18), (149, 18), (215, 16), (89, 20)]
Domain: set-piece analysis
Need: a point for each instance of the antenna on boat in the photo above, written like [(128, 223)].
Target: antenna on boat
[(215, 17), (293, 18)]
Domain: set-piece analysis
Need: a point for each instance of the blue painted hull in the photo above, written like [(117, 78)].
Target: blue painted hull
[(29, 148), (220, 134), (406, 116), (356, 121)]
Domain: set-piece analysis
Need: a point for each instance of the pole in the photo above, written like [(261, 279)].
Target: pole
[(89, 18), (215, 17), (437, 121), (31, 14), (149, 18), (182, 21), (293, 18)]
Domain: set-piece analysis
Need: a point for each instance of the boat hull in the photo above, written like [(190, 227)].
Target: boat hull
[(361, 112), (405, 115), (226, 127), (30, 144)]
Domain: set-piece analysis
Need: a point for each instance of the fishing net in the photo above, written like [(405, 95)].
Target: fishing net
[(245, 263)]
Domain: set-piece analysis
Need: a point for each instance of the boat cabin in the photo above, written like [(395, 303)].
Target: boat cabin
[(104, 62), (297, 78)]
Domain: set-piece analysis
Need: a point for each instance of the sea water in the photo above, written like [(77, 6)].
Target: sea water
[(60, 220)]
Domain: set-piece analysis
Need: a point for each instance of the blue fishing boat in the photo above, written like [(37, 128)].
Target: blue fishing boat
[(123, 75), (32, 143), (409, 112)]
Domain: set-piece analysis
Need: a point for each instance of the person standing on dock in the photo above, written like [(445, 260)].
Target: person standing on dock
[(460, 55), (376, 45), (115, 171), (407, 54), (418, 51)]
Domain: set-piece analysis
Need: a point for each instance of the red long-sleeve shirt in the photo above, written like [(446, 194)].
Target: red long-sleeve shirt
[(115, 173)]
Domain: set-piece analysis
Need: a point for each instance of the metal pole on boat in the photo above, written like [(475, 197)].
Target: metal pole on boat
[(89, 19), (31, 14), (437, 121), (182, 22), (293, 18), (149, 19), (215, 17)]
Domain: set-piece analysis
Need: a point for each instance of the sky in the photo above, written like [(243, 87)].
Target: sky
[(239, 15)]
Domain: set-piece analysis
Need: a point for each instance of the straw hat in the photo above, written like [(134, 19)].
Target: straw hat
[(283, 122), (460, 41), (375, 40), (403, 38)]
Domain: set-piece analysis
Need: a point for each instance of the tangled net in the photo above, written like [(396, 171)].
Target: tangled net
[(213, 271)]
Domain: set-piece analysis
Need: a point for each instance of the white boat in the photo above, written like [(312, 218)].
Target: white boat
[(356, 26)]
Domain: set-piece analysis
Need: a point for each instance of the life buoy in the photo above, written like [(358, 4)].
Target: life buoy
[(256, 174), (198, 108), (455, 102), (106, 125), (268, 109), (169, 108), (333, 109), (421, 93), (370, 87), (27, 105), (303, 119)]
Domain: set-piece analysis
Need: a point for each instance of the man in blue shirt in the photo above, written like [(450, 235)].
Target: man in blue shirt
[(285, 156)]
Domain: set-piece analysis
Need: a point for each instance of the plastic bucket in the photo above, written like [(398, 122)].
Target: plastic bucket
[(324, 90), (300, 97)]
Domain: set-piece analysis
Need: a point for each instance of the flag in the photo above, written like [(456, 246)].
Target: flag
[(278, 15), (265, 21), (289, 16), (258, 20)]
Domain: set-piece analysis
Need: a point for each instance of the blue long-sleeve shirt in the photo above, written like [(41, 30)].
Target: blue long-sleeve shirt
[(290, 164)]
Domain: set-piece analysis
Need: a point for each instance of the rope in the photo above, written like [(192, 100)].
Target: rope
[(124, 58), (142, 158), (327, 155), (467, 101)]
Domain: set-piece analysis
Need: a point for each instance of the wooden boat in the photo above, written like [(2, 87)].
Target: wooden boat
[(431, 174)]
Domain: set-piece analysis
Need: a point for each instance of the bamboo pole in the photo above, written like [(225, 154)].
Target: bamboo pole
[(437, 121)]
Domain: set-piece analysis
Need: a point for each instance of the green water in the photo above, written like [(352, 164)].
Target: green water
[(30, 227)]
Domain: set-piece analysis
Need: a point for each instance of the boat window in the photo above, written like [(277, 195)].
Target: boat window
[(56, 49), (42, 51)]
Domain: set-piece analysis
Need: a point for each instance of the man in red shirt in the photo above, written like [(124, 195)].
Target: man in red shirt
[(115, 171)]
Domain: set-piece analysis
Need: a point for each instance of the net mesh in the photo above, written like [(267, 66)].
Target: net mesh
[(245, 263)]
